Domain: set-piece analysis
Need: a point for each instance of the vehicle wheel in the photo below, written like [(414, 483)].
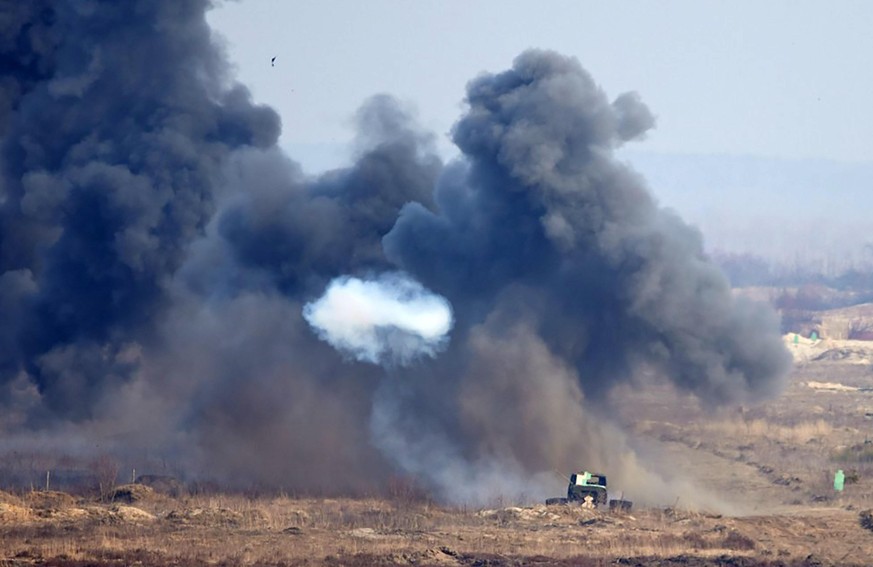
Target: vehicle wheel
[(555, 501), (601, 497), (620, 505)]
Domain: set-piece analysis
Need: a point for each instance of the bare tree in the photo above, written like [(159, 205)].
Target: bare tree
[(105, 470)]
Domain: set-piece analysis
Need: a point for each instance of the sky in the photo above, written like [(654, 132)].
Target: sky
[(764, 129)]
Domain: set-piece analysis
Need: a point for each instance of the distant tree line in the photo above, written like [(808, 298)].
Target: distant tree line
[(746, 269)]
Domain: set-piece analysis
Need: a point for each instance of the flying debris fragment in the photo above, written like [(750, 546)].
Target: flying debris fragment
[(273, 62)]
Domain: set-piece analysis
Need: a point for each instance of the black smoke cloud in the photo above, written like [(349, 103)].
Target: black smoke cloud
[(542, 211), (157, 249), (118, 118)]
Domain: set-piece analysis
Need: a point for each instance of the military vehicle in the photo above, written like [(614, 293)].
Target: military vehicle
[(585, 484), (589, 489)]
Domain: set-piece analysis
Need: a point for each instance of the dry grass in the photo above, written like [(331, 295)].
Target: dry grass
[(858, 453), (239, 531), (753, 430), (780, 456)]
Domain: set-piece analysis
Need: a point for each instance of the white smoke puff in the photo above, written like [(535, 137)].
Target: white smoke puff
[(390, 319)]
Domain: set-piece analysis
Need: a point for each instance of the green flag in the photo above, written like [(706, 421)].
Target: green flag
[(839, 479)]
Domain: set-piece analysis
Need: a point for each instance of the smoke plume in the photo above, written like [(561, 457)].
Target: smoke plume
[(388, 319), (161, 262)]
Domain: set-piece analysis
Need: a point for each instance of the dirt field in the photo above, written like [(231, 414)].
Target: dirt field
[(773, 464)]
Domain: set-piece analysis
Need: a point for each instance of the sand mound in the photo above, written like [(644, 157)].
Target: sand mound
[(131, 514), (130, 493), (830, 386), (829, 350), (847, 355), (162, 484), (439, 556), (65, 514), (216, 517), (49, 499)]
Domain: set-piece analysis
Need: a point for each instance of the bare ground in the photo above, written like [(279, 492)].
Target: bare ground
[(775, 463), (238, 531)]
